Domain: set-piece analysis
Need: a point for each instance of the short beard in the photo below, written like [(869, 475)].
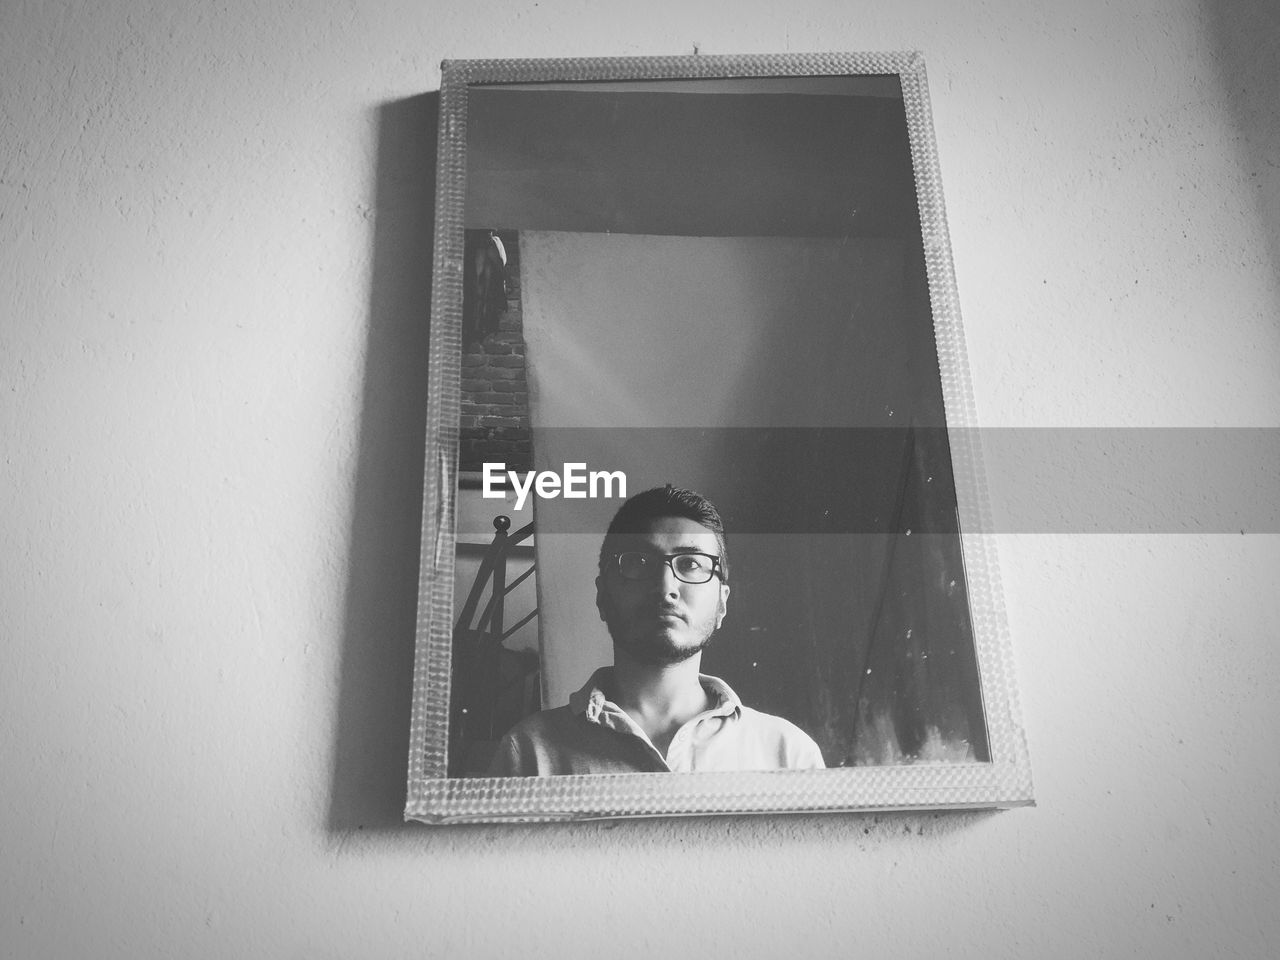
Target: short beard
[(660, 651)]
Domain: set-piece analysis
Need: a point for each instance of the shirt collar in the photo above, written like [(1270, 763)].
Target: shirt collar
[(591, 702)]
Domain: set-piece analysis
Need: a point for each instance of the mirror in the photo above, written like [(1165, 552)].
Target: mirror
[(728, 275)]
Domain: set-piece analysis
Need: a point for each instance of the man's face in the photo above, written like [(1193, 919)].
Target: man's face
[(662, 620)]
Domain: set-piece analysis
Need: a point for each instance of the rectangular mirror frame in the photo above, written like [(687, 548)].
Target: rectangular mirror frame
[(435, 798)]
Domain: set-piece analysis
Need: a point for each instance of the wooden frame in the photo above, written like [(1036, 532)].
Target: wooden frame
[(433, 797)]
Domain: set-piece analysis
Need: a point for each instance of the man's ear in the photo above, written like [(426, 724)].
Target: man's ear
[(601, 599), (724, 604)]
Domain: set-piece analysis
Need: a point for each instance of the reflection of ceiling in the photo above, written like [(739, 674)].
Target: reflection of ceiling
[(689, 164), (861, 85)]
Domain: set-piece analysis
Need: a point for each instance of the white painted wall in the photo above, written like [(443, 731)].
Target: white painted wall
[(212, 327), (624, 330)]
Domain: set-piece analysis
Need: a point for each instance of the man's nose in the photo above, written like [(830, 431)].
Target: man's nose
[(667, 582)]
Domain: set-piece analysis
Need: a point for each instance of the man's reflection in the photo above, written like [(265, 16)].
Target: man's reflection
[(662, 591)]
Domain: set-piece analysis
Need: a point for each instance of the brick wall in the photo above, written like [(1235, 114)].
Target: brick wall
[(495, 395)]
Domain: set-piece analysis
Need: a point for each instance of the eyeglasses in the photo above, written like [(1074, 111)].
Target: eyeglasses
[(688, 567)]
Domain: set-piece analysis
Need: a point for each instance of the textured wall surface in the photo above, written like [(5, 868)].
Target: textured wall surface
[(215, 224)]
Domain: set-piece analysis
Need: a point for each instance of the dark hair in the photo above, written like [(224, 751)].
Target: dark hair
[(635, 515)]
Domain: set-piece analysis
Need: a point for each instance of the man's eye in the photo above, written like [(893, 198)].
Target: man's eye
[(636, 562), (691, 563)]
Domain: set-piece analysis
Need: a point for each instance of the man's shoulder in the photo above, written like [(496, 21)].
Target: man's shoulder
[(520, 748), (563, 740), (540, 723), (800, 749), (769, 721)]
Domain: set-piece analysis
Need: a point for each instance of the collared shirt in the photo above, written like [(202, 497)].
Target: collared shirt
[(592, 734)]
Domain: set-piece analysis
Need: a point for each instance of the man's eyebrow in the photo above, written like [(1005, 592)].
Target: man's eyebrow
[(686, 548)]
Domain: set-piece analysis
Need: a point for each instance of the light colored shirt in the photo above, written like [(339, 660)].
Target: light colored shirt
[(591, 734)]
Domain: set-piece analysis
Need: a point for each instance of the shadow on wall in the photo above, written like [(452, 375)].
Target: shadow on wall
[(1246, 37), (375, 685)]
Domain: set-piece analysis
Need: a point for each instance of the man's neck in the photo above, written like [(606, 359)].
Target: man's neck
[(660, 699)]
